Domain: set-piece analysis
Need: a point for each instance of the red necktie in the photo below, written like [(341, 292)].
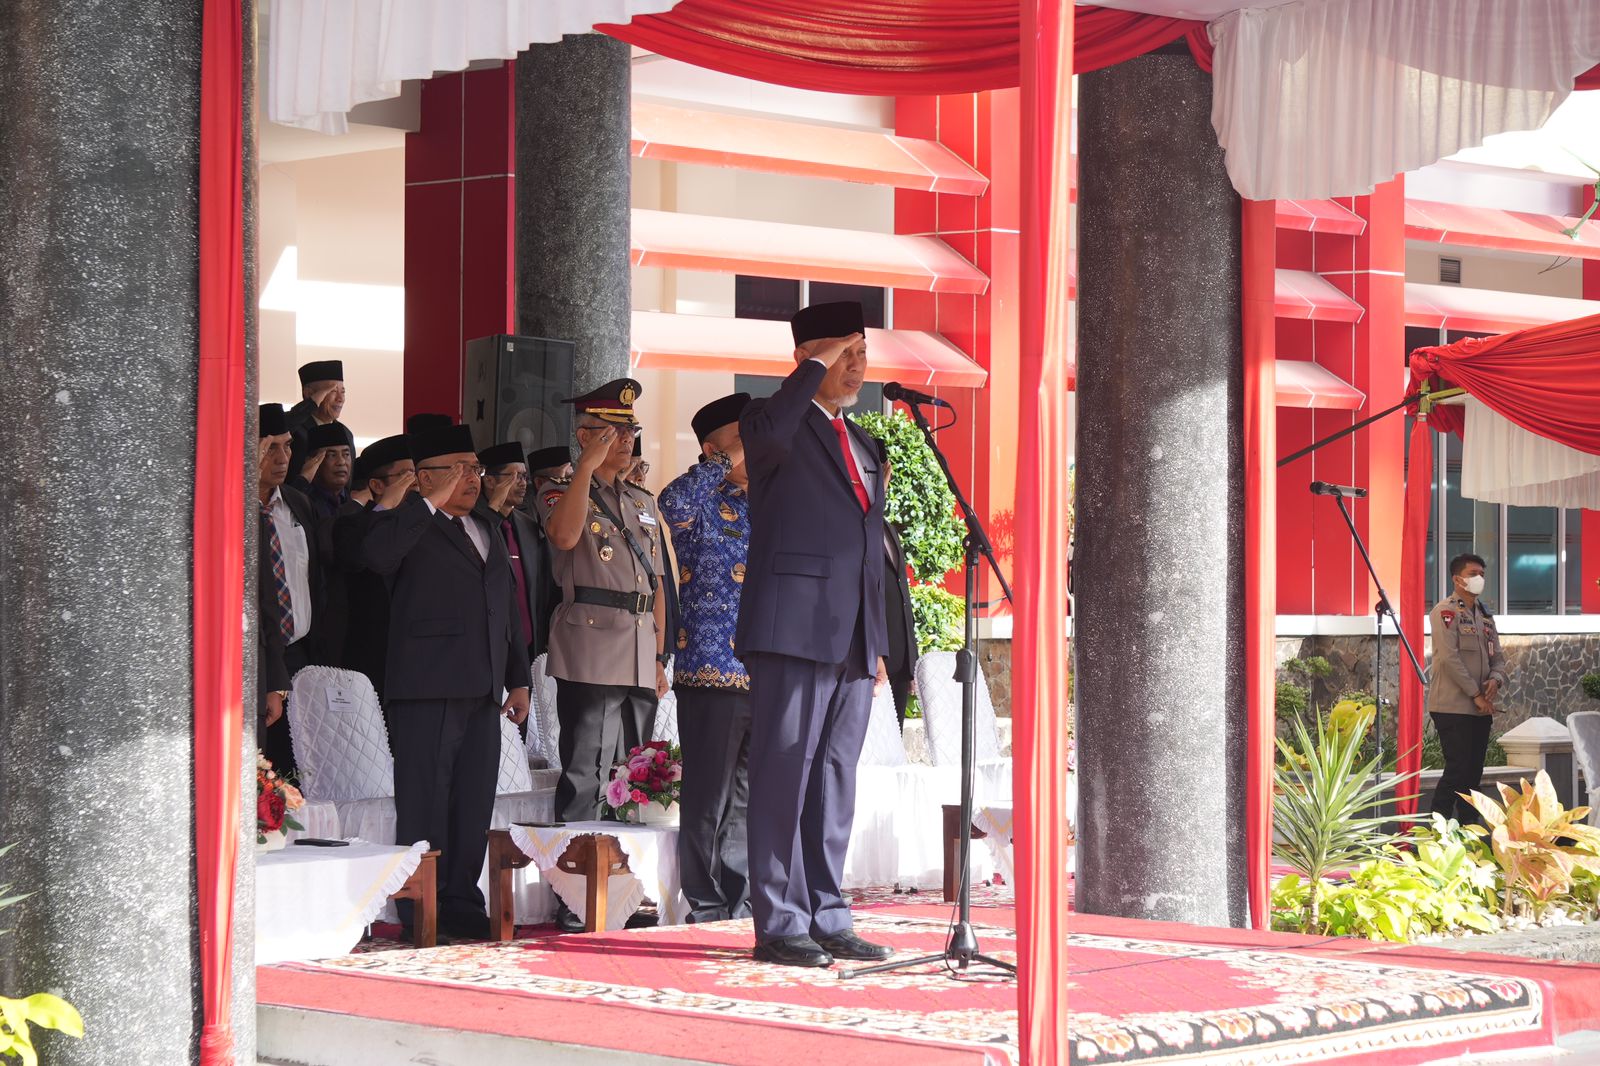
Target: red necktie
[(850, 464)]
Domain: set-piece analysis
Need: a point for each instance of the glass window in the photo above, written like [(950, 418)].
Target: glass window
[(1573, 562), (769, 298), (871, 298), (1532, 557)]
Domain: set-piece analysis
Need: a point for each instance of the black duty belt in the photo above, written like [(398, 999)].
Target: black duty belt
[(636, 602)]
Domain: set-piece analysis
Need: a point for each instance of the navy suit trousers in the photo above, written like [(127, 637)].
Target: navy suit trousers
[(808, 724)]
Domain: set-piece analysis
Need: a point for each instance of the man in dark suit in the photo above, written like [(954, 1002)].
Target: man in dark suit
[(505, 487), (811, 631), (272, 675), (391, 477), (453, 649), (291, 574), (321, 396)]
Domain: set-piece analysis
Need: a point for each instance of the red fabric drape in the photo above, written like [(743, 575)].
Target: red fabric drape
[(1259, 240), (1039, 646), (219, 515), (1589, 79), (1545, 379), (1414, 601), (887, 47)]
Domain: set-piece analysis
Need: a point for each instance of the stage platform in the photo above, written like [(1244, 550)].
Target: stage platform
[(1140, 992)]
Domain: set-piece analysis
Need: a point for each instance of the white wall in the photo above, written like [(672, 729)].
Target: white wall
[(1506, 272)]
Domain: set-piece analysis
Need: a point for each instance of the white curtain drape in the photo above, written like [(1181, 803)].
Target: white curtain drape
[(1323, 98), (1503, 463), (326, 56)]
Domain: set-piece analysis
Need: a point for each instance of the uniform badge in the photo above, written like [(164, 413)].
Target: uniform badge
[(552, 496), (606, 552), (594, 527), (1449, 617), (627, 395), (727, 513)]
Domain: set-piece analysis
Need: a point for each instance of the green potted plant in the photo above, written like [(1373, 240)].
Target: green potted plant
[(18, 1016)]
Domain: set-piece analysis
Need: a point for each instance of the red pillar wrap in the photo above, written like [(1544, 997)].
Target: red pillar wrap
[(1414, 602), (219, 515), (1039, 649), (1259, 322)]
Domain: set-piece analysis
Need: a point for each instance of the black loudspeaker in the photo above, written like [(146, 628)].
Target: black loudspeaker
[(512, 388)]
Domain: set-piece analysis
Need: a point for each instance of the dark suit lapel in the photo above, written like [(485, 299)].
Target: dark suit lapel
[(457, 537), (823, 428), (528, 546)]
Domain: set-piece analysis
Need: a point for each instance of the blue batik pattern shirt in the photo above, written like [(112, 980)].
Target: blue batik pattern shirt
[(710, 523)]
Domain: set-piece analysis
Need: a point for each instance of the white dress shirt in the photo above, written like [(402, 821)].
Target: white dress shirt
[(296, 562)]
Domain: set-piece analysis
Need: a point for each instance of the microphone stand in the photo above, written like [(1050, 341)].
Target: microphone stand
[(962, 948), (1380, 610)]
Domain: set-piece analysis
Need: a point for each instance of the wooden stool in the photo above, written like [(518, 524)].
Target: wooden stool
[(423, 887), (952, 849), (596, 856)]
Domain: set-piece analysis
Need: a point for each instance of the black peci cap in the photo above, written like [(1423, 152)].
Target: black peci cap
[(552, 458), (718, 413), (501, 455), (332, 435), (427, 420), (326, 370), (273, 421), (441, 440), (820, 321)]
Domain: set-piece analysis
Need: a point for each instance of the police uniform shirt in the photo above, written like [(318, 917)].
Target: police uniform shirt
[(590, 643), (1466, 655)]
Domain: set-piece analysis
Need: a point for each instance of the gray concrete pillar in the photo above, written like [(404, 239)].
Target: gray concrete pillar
[(1158, 579), (98, 224), (573, 171)]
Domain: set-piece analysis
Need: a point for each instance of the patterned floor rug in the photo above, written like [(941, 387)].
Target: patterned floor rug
[(1136, 995)]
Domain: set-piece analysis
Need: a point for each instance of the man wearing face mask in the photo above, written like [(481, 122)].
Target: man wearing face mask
[(1469, 671)]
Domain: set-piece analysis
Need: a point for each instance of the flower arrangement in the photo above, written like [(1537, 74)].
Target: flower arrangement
[(652, 774), (275, 798)]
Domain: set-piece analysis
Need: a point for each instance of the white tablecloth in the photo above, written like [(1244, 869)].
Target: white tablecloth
[(312, 903), (652, 853), (321, 821), (995, 825)]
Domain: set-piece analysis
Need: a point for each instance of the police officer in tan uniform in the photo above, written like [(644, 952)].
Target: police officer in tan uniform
[(1468, 672), (607, 639)]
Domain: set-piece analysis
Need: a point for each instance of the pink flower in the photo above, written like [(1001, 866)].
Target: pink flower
[(639, 797), (661, 758), (676, 773), (617, 792)]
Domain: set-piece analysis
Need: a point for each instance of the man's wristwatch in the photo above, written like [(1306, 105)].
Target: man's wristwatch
[(664, 658)]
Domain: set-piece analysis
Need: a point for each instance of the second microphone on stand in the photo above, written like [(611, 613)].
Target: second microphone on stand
[(893, 390)]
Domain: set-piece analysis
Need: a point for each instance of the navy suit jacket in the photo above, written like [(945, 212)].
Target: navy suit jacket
[(453, 631), (815, 570)]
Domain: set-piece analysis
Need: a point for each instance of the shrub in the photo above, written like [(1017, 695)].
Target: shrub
[(1591, 685), (919, 503), (1537, 843), (940, 617)]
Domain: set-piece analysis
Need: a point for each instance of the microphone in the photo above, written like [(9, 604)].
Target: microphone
[(1322, 488), (895, 391)]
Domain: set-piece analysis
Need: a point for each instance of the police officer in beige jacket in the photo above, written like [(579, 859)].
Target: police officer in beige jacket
[(1468, 673)]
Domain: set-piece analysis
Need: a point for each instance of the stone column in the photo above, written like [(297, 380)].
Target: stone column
[(98, 229), (1158, 579), (573, 171)]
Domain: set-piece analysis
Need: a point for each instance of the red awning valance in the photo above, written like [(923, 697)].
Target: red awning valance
[(1488, 310), (1488, 227)]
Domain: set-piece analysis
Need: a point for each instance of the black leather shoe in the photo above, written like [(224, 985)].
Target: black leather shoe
[(566, 921), (465, 925), (793, 951), (847, 945)]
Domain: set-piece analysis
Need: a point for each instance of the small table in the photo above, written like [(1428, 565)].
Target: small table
[(313, 902), (990, 823), (597, 852)]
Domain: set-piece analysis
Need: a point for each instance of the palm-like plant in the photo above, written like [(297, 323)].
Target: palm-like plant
[(1322, 804)]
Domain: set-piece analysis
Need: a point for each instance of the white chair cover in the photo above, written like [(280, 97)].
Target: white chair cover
[(1585, 729), (940, 696), (666, 727), (514, 773), (341, 745), (883, 746), (544, 731)]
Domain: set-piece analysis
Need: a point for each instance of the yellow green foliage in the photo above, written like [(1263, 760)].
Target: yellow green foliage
[(1538, 844), (43, 1010)]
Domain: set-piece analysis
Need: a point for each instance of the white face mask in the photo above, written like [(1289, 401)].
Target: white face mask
[(1474, 584)]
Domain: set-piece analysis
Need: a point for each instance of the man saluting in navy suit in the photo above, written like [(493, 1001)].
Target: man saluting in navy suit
[(812, 633)]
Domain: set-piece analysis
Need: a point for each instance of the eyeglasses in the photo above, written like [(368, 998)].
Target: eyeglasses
[(516, 474), (622, 431), (465, 468)]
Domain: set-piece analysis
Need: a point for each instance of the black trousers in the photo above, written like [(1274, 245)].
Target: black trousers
[(599, 723), (274, 739), (713, 850), (446, 767), (1465, 740)]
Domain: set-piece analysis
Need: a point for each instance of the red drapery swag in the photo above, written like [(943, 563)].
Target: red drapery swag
[(219, 515), (1546, 380), (889, 47)]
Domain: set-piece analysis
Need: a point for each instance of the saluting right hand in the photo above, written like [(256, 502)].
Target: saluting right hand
[(308, 469), (445, 487), (595, 452), (830, 352), (394, 495)]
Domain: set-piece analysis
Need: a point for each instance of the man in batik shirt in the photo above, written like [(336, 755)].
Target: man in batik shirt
[(708, 512)]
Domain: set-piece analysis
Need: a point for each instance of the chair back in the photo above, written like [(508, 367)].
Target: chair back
[(883, 746), (940, 696), (341, 744), (666, 725), (514, 773), (1585, 729), (544, 730)]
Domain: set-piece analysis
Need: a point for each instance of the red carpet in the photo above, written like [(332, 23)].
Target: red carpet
[(1139, 992)]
